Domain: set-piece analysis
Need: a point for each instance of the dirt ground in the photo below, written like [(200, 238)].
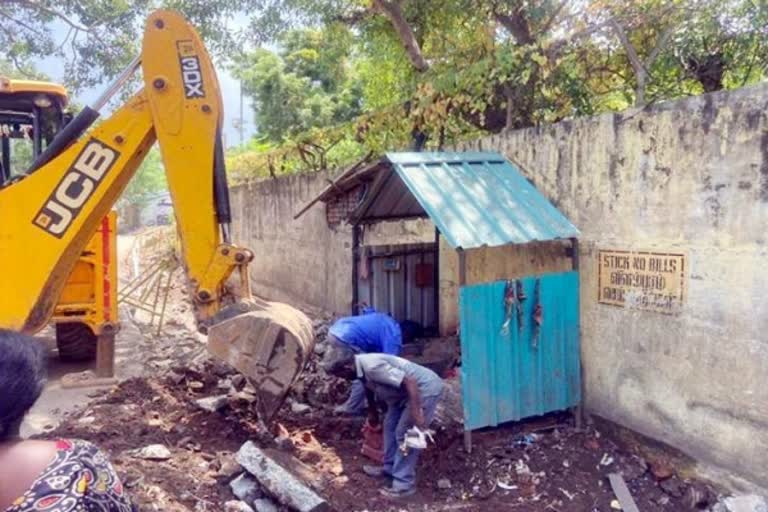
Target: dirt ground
[(538, 465), (555, 468)]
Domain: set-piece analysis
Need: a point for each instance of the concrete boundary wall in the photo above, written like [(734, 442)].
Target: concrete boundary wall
[(687, 177), (302, 262)]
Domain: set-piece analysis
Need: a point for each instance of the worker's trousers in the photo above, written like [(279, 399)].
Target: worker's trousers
[(397, 421)]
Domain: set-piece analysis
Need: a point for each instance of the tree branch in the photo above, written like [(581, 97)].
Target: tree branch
[(634, 60), (659, 46), (392, 10), (32, 4), (517, 26)]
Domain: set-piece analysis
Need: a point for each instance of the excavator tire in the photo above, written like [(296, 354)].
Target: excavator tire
[(269, 343), (76, 342)]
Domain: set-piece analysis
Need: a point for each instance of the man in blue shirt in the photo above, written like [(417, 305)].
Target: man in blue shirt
[(371, 332)]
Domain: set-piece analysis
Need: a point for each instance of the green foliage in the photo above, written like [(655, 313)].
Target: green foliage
[(307, 83), (491, 65), (147, 182), (102, 36)]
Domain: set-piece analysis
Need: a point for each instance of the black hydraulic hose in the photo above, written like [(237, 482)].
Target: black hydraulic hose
[(66, 137), (220, 187)]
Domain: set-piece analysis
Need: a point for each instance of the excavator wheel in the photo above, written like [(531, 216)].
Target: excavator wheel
[(269, 343), (76, 342)]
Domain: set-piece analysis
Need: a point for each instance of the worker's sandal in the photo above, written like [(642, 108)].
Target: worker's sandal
[(375, 471), (389, 492)]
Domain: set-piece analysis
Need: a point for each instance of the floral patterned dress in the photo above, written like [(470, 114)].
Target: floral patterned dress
[(80, 479)]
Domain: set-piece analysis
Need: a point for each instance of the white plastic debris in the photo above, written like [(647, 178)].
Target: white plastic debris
[(154, 452), (746, 503)]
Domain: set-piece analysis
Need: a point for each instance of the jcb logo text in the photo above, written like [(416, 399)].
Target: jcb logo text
[(75, 188)]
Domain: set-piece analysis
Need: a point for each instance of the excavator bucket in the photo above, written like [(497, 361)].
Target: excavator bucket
[(269, 343)]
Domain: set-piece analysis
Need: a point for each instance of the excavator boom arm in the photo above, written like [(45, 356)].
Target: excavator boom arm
[(47, 218)]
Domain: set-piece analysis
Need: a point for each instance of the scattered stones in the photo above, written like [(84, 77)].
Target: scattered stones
[(195, 385), (212, 403), (238, 381), (284, 443), (698, 497), (674, 487), (279, 482), (592, 444), (175, 378), (229, 467), (246, 488), (154, 452), (633, 467), (237, 506), (444, 484), (299, 408), (661, 470), (264, 505), (243, 396)]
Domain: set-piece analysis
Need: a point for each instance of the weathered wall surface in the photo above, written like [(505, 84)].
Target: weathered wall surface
[(303, 261), (488, 264), (688, 177)]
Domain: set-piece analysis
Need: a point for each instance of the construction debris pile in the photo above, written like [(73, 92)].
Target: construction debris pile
[(184, 436), (189, 440)]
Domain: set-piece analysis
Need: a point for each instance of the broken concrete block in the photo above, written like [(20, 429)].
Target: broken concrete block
[(237, 506), (154, 452), (264, 505), (279, 482), (246, 488), (443, 483), (228, 466), (299, 408), (212, 403), (746, 503)]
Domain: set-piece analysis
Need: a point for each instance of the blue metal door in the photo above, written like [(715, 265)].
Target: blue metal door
[(514, 366)]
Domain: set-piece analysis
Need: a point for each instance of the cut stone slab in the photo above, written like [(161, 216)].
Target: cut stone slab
[(279, 482), (237, 506), (212, 403), (264, 505), (246, 488)]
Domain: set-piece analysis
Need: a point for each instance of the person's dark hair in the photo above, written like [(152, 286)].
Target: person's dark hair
[(337, 355), (411, 331), (22, 378)]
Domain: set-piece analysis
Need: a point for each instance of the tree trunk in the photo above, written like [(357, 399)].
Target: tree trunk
[(394, 12)]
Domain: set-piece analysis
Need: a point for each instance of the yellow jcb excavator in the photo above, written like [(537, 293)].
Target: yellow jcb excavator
[(51, 212)]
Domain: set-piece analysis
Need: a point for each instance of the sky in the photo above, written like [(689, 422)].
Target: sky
[(230, 92)]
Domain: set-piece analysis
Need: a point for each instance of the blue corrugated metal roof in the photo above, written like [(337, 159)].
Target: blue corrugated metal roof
[(480, 199)]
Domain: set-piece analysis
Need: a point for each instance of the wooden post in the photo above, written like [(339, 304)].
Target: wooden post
[(462, 282), (578, 411)]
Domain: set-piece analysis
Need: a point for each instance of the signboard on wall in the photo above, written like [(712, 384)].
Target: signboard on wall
[(651, 281)]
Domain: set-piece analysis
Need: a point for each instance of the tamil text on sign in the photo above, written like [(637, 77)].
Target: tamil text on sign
[(651, 281)]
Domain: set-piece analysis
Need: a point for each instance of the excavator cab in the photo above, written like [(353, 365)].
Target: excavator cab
[(32, 113)]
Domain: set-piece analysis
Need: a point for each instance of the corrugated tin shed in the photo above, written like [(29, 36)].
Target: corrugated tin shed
[(475, 199), (480, 199)]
